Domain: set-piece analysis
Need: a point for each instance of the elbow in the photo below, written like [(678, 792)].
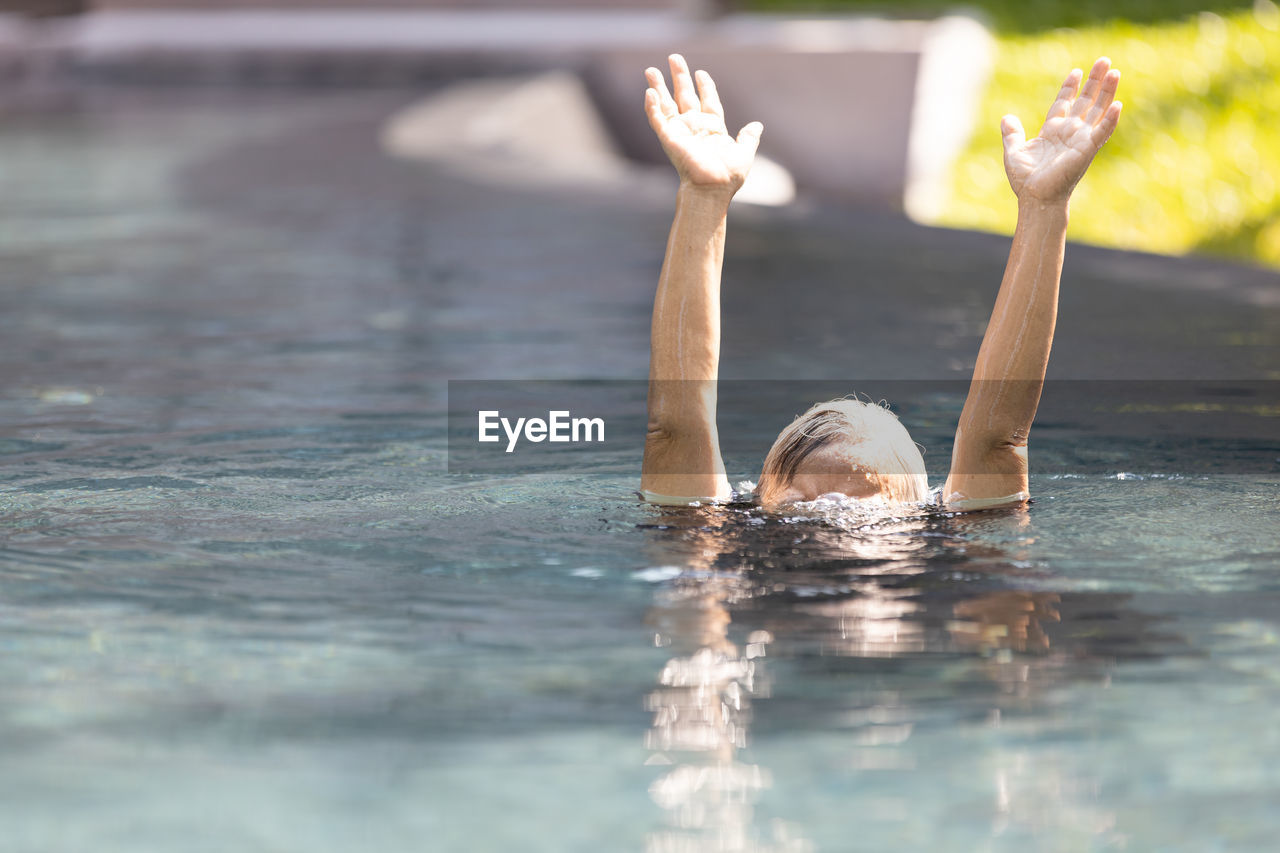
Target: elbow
[(1010, 445), (1000, 457), (1005, 454), (995, 438), (666, 428), (658, 436)]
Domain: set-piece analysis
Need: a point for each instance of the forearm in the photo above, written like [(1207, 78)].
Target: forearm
[(1015, 348), (685, 335), (682, 450), (1009, 373)]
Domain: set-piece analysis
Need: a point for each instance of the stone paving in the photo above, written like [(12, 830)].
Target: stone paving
[(557, 280), (299, 204)]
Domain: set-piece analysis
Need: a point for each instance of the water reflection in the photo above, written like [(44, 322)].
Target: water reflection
[(701, 715), (881, 626)]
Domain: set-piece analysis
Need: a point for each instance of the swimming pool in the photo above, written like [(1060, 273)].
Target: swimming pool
[(248, 606)]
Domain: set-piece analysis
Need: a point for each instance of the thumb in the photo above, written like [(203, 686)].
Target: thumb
[(749, 136), (1011, 130)]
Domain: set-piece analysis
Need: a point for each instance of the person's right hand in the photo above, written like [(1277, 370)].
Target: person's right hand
[(692, 131)]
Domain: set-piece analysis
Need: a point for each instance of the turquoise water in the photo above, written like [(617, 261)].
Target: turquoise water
[(247, 606)]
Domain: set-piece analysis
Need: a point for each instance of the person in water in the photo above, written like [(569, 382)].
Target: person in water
[(847, 447)]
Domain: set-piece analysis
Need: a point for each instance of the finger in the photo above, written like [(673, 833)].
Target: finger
[(1066, 94), (1105, 96), (659, 85), (749, 136), (653, 110), (1091, 87), (1102, 130), (1011, 130), (708, 95), (682, 82)]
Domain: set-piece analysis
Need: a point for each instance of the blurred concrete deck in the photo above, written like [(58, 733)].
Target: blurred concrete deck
[(267, 216), (883, 127)]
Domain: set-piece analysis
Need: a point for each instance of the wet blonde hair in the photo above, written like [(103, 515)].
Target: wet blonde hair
[(881, 447)]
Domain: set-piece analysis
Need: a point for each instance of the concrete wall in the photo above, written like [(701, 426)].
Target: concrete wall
[(834, 130)]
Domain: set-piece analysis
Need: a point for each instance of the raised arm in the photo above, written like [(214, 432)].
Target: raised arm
[(989, 462), (682, 447)]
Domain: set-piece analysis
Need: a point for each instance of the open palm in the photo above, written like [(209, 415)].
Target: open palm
[(692, 131), (1048, 167)]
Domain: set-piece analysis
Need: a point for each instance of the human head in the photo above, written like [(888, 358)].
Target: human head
[(846, 446)]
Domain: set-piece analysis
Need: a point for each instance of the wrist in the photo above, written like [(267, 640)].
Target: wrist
[(1044, 208), (709, 196)]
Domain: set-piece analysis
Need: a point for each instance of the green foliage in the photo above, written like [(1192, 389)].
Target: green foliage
[(1195, 162), (1018, 16)]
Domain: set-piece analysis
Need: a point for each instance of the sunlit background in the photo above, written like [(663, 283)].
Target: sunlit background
[(1195, 164), (1194, 168)]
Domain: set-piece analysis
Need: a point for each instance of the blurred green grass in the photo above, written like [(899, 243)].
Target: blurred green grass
[(1018, 16), (1195, 163)]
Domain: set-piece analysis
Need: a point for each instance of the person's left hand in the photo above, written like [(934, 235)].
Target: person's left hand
[(1047, 168)]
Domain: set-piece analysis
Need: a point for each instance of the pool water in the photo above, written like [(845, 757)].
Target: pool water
[(247, 604)]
